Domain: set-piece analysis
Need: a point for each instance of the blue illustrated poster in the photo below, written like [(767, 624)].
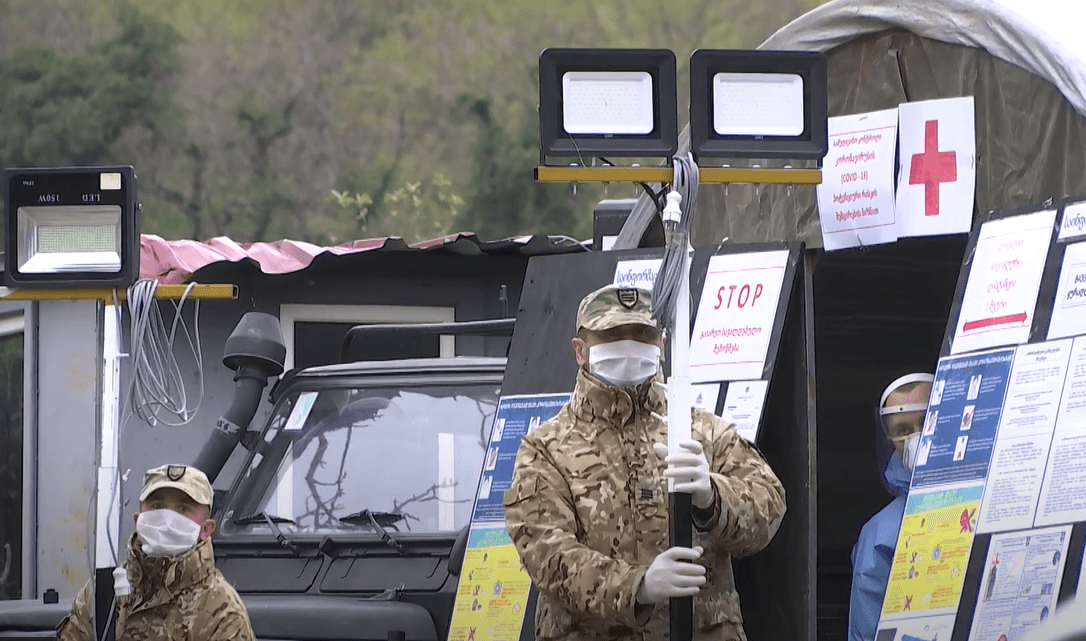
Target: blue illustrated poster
[(516, 416), (963, 416)]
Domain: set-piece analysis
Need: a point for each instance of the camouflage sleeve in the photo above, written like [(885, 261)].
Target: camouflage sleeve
[(223, 616), (77, 625), (543, 524), (750, 498)]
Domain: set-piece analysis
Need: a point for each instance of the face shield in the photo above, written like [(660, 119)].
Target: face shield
[(884, 440)]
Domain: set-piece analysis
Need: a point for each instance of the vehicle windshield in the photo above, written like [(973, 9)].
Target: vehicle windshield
[(415, 451)]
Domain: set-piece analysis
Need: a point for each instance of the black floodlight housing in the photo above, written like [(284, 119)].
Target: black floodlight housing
[(71, 227), (607, 102), (757, 104)]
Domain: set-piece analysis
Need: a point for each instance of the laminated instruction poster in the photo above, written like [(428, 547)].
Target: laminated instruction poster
[(963, 416), (493, 590), (931, 554), (1020, 583), (1025, 433)]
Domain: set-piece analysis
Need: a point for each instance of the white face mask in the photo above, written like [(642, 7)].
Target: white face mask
[(166, 533), (624, 363), (909, 450)]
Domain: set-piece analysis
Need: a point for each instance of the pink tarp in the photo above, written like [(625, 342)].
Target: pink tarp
[(172, 262)]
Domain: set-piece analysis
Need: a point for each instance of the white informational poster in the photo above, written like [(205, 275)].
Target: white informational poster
[(1001, 292), (637, 273), (1025, 434), (704, 396), (856, 195), (1063, 492), (1073, 224), (735, 316), (922, 628), (743, 406), (937, 175), (1069, 307), (1021, 580)]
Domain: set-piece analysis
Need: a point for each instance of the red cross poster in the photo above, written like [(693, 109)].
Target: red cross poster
[(937, 174)]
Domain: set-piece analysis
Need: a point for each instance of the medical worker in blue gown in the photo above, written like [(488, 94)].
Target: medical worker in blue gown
[(901, 416)]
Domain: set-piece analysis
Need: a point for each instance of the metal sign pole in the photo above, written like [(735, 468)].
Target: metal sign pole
[(678, 430), (671, 308), (107, 500)]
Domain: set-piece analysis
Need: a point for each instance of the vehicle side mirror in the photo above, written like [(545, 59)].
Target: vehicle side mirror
[(459, 548)]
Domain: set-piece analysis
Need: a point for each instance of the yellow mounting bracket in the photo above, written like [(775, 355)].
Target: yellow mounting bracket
[(109, 294), (706, 175)]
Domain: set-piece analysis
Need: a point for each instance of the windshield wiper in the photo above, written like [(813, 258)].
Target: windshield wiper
[(375, 519), (271, 520)]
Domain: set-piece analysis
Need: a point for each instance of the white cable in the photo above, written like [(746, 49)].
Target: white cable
[(158, 388)]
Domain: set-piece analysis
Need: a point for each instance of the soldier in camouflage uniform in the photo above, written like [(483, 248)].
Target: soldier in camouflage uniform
[(177, 593), (588, 507)]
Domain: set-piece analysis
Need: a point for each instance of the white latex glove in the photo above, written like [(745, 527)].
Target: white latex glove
[(672, 574), (690, 470)]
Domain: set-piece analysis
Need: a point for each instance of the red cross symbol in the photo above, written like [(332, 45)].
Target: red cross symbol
[(908, 603), (932, 167), (471, 634)]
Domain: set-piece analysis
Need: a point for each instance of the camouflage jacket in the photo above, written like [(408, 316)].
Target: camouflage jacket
[(182, 598), (588, 512)]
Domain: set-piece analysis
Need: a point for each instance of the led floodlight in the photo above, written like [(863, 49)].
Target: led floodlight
[(607, 102), (71, 226), (757, 104)]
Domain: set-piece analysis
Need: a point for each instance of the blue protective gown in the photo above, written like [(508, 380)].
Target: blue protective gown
[(873, 555)]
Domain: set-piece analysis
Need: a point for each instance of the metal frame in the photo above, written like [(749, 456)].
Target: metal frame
[(109, 294), (291, 313), (718, 175)]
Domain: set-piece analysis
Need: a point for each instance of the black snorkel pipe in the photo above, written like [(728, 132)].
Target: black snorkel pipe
[(255, 351)]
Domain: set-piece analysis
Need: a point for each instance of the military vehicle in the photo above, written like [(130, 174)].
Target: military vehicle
[(348, 515)]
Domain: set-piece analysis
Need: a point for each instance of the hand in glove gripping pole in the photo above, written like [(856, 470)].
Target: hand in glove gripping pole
[(672, 574), (690, 469)]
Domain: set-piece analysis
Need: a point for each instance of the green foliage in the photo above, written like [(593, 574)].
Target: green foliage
[(242, 117), (69, 109), (424, 208)]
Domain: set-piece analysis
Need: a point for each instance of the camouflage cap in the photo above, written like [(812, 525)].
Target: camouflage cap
[(186, 478), (614, 305)]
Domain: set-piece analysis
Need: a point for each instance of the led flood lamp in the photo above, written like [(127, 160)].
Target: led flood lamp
[(757, 104), (71, 226), (607, 102)]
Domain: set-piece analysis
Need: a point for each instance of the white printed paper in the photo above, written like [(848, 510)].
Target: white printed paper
[(735, 316), (1025, 434), (856, 195), (1063, 493), (743, 406), (1069, 307), (300, 412), (923, 628), (1073, 224), (637, 273), (704, 396), (1001, 292), (1020, 583), (937, 176)]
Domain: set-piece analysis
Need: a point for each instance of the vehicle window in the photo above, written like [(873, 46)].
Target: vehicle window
[(413, 452)]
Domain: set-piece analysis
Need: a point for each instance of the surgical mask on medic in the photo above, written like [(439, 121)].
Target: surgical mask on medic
[(910, 445), (909, 450), (166, 533), (625, 363)]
